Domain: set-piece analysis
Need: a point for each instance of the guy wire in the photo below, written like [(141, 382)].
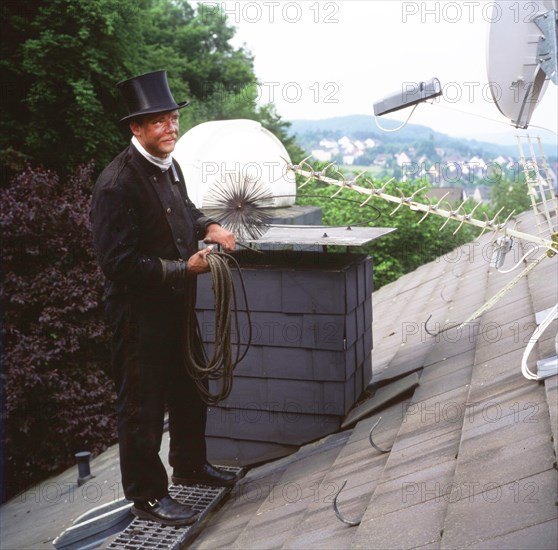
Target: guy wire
[(221, 365)]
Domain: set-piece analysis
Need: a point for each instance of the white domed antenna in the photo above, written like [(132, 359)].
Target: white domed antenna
[(521, 56), (226, 151)]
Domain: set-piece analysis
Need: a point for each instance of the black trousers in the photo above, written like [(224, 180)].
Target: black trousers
[(147, 353)]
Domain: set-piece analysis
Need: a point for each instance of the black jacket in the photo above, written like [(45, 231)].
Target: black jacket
[(140, 215)]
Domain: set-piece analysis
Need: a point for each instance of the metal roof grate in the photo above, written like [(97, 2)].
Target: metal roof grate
[(148, 535)]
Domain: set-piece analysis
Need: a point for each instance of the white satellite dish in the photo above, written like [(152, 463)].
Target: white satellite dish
[(521, 55), (220, 152)]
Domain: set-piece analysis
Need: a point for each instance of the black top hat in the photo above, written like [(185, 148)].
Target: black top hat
[(148, 93)]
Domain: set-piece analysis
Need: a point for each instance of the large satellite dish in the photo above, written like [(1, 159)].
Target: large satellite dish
[(521, 55), (217, 154)]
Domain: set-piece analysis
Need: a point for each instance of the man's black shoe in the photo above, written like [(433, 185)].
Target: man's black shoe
[(204, 475), (166, 511)]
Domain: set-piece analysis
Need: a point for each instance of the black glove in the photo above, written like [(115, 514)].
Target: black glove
[(174, 271)]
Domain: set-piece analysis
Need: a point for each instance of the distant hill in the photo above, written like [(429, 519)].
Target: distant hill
[(363, 126)]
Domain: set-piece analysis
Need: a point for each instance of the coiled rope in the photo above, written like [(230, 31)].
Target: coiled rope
[(221, 365)]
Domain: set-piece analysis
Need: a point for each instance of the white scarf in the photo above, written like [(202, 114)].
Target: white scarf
[(163, 164)]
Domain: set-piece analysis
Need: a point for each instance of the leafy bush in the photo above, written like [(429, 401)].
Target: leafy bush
[(57, 398)]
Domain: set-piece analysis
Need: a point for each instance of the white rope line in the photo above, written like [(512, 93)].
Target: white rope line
[(530, 375), (505, 123), (523, 258), (399, 127)]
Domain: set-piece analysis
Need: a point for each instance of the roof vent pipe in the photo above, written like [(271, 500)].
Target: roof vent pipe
[(84, 471)]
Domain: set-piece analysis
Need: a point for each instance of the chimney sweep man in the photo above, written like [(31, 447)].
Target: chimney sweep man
[(145, 233)]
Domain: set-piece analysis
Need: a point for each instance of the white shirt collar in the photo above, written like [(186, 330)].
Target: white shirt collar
[(163, 164)]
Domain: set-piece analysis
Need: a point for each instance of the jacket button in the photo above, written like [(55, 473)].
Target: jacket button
[(179, 240), (169, 210)]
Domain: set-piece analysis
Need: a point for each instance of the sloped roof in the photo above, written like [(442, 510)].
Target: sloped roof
[(472, 448), (472, 461)]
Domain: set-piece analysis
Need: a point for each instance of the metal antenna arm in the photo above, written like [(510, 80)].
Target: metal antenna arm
[(448, 214)]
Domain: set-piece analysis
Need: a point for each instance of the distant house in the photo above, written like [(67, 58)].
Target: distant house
[(455, 159), (328, 144), (346, 144), (423, 161), (453, 194), (369, 143), (422, 171), (321, 155), (477, 161), (359, 144), (501, 164), (451, 170), (433, 174), (477, 165), (402, 159), (480, 194), (500, 159), (514, 169), (381, 160)]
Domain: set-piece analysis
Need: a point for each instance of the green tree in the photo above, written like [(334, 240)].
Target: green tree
[(510, 195), (61, 59), (269, 118), (59, 62), (203, 65)]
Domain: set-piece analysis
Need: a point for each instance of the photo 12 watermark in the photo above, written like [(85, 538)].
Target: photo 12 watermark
[(453, 412), (52, 492), (481, 333), (272, 12), (281, 332), (265, 171), (287, 492), (326, 92), (471, 491), (468, 11)]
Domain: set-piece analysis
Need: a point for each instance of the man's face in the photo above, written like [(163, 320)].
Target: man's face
[(157, 133)]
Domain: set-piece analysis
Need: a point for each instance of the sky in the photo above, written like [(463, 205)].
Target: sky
[(321, 59)]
